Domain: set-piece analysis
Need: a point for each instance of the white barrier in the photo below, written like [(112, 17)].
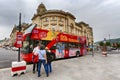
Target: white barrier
[(18, 67), (104, 53)]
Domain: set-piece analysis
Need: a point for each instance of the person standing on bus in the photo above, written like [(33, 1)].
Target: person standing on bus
[(49, 59), (35, 54), (42, 60)]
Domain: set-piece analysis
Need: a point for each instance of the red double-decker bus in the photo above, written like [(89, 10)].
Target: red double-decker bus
[(61, 45)]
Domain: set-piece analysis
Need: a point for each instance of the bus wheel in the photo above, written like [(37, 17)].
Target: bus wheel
[(53, 56), (77, 54)]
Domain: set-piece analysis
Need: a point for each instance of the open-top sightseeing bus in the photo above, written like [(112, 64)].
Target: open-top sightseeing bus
[(61, 45)]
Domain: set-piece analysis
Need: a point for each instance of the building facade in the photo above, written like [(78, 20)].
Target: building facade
[(62, 21), (56, 20), (14, 32)]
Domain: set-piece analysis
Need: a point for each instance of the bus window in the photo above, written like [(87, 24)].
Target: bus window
[(45, 42), (66, 46), (25, 44), (60, 45), (25, 48)]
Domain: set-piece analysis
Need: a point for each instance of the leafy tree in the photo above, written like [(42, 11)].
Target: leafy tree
[(101, 43), (108, 44), (118, 45)]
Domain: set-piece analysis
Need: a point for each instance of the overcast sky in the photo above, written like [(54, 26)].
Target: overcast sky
[(102, 15)]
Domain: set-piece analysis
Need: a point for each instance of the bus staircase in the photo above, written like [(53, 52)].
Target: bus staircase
[(51, 43)]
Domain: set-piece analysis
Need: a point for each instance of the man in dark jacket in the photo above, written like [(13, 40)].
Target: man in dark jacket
[(49, 59)]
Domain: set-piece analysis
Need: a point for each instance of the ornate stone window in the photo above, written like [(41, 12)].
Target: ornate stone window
[(61, 28), (71, 29), (45, 19), (46, 27), (53, 18), (53, 28), (61, 19)]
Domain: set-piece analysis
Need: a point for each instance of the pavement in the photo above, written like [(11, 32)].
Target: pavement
[(81, 68)]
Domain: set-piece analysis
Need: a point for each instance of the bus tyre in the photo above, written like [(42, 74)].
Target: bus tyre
[(77, 54), (53, 56)]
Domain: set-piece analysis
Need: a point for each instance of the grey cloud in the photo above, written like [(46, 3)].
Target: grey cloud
[(102, 15), (9, 11)]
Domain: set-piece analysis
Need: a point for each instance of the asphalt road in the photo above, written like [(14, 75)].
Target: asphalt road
[(87, 67), (6, 57)]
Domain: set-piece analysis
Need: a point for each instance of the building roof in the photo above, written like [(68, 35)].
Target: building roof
[(41, 10), (80, 23)]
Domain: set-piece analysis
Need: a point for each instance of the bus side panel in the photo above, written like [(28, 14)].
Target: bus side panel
[(83, 51), (27, 57), (73, 51)]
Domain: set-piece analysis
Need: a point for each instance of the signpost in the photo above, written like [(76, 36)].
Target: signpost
[(18, 36), (18, 67)]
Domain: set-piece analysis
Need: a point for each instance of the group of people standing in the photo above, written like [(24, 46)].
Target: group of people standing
[(44, 57)]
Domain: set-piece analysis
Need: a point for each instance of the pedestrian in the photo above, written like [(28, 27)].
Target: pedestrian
[(104, 51), (42, 60), (49, 60), (35, 57), (92, 52)]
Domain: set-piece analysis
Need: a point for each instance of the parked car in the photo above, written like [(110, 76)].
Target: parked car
[(114, 48), (109, 48)]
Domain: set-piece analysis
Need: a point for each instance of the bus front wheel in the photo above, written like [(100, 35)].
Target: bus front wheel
[(77, 53), (53, 56)]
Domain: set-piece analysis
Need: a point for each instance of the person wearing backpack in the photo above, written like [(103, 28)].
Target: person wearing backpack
[(49, 59)]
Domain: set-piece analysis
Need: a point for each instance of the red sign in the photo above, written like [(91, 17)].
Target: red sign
[(19, 38)]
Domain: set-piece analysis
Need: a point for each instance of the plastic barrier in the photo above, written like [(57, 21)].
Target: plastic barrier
[(18, 68), (104, 53)]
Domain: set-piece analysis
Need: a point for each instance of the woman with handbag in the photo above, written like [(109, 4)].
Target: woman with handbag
[(35, 57)]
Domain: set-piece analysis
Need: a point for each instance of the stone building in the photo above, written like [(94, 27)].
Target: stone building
[(57, 20), (62, 21), (14, 32)]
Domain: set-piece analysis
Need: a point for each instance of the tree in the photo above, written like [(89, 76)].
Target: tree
[(118, 46), (101, 43), (108, 44)]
